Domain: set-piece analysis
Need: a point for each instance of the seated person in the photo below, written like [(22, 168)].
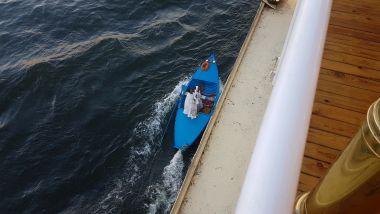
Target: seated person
[(206, 96), (203, 102), (198, 98)]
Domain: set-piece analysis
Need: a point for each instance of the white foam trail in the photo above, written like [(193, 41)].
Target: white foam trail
[(4, 118), (149, 132), (8, 115), (53, 104), (164, 193), (150, 129), (221, 86)]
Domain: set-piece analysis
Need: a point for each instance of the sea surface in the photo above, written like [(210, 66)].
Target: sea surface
[(86, 93)]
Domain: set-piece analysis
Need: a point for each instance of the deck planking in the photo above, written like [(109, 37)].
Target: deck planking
[(349, 82)]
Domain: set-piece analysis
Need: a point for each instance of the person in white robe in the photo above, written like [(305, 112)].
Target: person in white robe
[(190, 106), (186, 105), (198, 97)]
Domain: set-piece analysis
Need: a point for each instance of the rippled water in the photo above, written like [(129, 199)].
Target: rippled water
[(86, 90)]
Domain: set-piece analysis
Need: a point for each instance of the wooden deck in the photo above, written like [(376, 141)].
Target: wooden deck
[(349, 82)]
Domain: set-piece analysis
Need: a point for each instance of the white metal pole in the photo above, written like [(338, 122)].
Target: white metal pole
[(271, 181)]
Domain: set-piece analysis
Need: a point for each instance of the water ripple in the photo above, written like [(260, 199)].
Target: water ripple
[(86, 88)]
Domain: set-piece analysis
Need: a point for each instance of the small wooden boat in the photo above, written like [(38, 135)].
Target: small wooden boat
[(187, 130)]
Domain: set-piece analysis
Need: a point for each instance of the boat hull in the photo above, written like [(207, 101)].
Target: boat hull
[(187, 130)]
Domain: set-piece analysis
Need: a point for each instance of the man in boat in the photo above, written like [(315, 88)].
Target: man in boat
[(204, 103), (198, 98), (190, 105)]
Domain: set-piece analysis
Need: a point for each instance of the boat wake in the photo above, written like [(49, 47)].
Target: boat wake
[(221, 86), (164, 193), (148, 133)]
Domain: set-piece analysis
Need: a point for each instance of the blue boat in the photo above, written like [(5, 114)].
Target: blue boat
[(187, 130)]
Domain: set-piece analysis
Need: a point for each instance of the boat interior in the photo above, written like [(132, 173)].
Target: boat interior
[(209, 88)]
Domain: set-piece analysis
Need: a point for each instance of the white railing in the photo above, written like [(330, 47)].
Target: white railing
[(271, 181)]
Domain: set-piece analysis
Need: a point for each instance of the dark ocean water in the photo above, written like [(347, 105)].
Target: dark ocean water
[(86, 90)]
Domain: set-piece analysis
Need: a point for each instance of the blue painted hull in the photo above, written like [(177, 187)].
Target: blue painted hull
[(187, 130)]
